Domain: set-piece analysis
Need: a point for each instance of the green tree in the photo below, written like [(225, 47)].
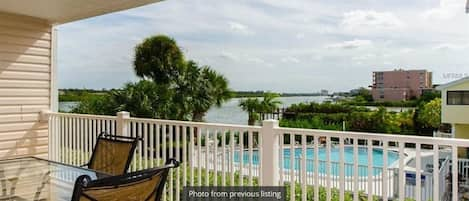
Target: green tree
[(429, 115), (252, 106), (159, 58), (140, 99), (186, 90), (95, 105), (269, 102), (171, 88), (201, 88), (365, 94)]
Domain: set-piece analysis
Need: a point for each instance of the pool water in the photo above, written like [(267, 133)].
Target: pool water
[(334, 156)]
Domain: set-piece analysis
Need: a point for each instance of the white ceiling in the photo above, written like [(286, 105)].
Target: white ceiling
[(63, 11)]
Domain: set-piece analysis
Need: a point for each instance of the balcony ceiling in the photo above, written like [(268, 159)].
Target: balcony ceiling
[(63, 11)]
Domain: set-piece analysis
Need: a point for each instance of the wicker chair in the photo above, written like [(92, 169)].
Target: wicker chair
[(112, 154), (143, 185)]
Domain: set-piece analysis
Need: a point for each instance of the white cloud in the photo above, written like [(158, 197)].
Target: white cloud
[(290, 59), (300, 35), (229, 56), (316, 57), (446, 10), (296, 32), (364, 57), (237, 27), (406, 50), (448, 46), (352, 44), (255, 60), (359, 19)]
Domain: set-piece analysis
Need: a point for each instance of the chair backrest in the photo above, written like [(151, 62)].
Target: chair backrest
[(113, 154), (143, 185)]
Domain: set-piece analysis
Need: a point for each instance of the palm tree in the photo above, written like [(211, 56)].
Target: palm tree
[(252, 106), (159, 58), (208, 89), (139, 99), (270, 103)]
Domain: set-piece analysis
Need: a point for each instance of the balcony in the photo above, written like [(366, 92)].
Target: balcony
[(325, 163)]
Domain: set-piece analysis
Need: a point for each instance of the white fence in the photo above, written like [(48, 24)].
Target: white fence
[(220, 154)]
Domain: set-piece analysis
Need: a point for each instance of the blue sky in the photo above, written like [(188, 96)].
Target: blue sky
[(276, 45)]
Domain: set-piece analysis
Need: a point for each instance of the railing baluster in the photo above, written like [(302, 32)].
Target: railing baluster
[(207, 157), (454, 170), (199, 155), (303, 179), (163, 141), (51, 135), (418, 163), (164, 133), (74, 142), (436, 172), (151, 148), (342, 169), (316, 167), (171, 152), (259, 159), (232, 157), (80, 149), (370, 169), (250, 144), (140, 145), (92, 137), (241, 158), (63, 130), (328, 168), (281, 159), (184, 155), (112, 125), (292, 166), (215, 157), (158, 143), (385, 179), (191, 153), (401, 171), (144, 149), (134, 133), (58, 135), (178, 158), (356, 186), (223, 160), (89, 139)]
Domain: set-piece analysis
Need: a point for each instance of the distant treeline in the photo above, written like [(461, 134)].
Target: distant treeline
[(242, 94), (80, 94)]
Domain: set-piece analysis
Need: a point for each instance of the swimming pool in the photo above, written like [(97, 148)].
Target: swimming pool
[(335, 156)]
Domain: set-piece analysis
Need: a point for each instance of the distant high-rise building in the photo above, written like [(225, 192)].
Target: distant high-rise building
[(400, 84)]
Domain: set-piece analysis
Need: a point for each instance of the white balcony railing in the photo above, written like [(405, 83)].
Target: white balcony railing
[(309, 162)]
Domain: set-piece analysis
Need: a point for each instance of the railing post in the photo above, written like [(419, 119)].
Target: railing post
[(270, 153), (122, 126)]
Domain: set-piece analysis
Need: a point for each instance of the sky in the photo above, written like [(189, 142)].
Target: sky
[(275, 45)]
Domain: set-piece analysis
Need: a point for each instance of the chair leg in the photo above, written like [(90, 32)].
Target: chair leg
[(45, 180)]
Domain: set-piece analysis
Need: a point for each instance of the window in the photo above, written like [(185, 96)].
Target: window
[(457, 98)]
